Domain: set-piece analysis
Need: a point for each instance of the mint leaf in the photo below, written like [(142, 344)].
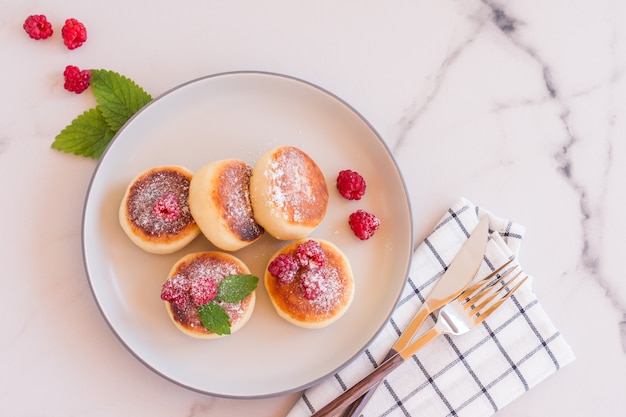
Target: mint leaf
[(235, 288), (231, 289), (87, 135), (118, 97), (214, 318)]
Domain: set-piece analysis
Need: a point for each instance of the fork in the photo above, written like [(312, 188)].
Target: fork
[(459, 316), (405, 338)]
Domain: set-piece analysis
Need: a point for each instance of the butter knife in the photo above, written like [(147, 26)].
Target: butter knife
[(454, 280)]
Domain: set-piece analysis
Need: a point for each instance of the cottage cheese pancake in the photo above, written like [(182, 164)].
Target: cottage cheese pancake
[(154, 212), (310, 283), (187, 282), (219, 200), (288, 192)]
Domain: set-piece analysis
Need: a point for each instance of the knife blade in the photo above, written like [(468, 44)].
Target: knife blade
[(455, 279)]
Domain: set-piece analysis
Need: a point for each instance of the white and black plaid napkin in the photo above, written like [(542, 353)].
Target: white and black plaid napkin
[(474, 374)]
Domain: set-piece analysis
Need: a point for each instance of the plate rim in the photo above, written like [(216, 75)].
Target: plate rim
[(170, 91)]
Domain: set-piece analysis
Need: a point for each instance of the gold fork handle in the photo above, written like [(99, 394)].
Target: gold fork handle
[(405, 338), (420, 342), (376, 376)]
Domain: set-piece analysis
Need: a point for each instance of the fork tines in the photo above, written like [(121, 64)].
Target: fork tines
[(489, 293)]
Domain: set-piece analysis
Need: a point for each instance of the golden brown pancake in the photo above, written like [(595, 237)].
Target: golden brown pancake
[(154, 212), (219, 200), (217, 265), (288, 192), (335, 296)]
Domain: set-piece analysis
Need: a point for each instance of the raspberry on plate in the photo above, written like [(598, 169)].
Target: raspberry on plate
[(203, 290), (167, 208), (74, 33), (313, 283), (310, 254), (284, 268), (76, 80), (363, 224), (350, 184), (38, 27), (176, 291)]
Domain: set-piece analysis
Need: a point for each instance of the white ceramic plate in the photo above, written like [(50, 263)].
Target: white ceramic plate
[(241, 115)]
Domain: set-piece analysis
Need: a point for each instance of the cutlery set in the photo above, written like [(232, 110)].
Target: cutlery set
[(460, 306)]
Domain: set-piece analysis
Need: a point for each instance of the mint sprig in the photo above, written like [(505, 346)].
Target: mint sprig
[(232, 289), (214, 318), (235, 288), (88, 135), (118, 98)]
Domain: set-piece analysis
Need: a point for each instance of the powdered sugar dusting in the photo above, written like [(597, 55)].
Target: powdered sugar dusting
[(291, 192), (331, 291), (234, 195), (201, 267), (277, 184), (315, 294)]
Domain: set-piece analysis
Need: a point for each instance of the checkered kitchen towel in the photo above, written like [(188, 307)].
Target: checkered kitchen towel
[(474, 374)]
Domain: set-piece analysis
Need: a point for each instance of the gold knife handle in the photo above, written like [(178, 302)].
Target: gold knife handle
[(410, 331), (405, 338), (340, 403), (361, 387)]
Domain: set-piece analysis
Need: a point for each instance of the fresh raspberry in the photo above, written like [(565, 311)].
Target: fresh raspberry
[(38, 27), (74, 33), (176, 291), (203, 290), (310, 254), (76, 80), (284, 268), (313, 283), (166, 208), (350, 184), (363, 224)]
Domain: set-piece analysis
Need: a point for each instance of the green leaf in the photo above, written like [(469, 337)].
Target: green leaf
[(214, 318), (87, 135), (235, 288), (118, 97)]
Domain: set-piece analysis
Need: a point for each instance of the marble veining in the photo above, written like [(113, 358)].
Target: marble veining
[(517, 106), (590, 204), (622, 328), (499, 16), (590, 259), (420, 105)]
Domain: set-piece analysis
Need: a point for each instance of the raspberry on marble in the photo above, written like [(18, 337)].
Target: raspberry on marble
[(76, 80), (38, 27), (74, 33)]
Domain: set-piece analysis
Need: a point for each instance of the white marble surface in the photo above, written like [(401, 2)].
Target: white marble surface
[(518, 106)]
